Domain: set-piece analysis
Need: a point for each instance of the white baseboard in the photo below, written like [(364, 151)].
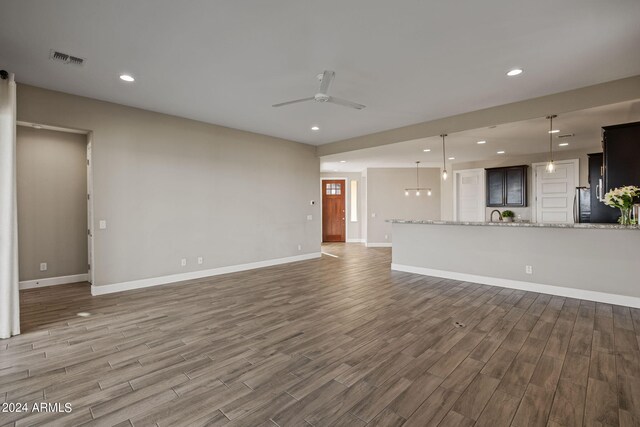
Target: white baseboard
[(379, 245), (181, 277), (562, 291), (355, 240), (52, 281)]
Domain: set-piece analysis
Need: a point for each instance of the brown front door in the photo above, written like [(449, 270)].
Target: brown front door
[(333, 214)]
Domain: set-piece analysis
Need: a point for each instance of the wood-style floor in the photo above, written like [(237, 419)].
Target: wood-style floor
[(335, 341)]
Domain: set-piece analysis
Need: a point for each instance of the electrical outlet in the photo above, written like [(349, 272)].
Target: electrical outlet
[(43, 266), (386, 237), (528, 269), (200, 260), (373, 215), (183, 262), (299, 247)]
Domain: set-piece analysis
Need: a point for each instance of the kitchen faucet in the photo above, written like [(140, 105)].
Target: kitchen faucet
[(499, 215)]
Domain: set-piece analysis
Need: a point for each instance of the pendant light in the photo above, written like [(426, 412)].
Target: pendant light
[(417, 189), (444, 156), (551, 167)]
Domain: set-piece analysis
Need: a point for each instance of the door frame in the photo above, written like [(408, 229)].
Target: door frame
[(483, 190), (534, 182), (90, 207), (347, 208), (90, 193)]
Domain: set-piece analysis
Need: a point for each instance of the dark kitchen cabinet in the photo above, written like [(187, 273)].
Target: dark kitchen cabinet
[(621, 147), (507, 187), (620, 163)]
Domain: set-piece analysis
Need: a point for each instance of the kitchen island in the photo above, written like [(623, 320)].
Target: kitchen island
[(597, 262)]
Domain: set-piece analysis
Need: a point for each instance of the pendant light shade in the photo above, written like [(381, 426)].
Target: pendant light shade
[(551, 167), (417, 188), (444, 156)]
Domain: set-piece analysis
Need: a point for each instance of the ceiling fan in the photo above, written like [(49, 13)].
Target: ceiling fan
[(325, 80)]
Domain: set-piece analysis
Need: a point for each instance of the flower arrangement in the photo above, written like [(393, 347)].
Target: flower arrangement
[(623, 199)]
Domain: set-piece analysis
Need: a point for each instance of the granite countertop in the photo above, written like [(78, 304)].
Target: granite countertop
[(519, 224)]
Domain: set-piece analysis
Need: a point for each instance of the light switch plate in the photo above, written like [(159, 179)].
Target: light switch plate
[(102, 224), (309, 217), (200, 260)]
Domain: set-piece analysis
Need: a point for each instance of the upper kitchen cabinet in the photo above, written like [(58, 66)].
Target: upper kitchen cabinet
[(621, 147), (507, 186)]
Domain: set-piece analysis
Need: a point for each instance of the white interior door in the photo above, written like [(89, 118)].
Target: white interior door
[(555, 192), (469, 195)]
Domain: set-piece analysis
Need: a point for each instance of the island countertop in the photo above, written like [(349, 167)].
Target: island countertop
[(518, 224)]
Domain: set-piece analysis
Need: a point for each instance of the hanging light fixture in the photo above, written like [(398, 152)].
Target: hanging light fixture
[(417, 189), (444, 156), (551, 167)]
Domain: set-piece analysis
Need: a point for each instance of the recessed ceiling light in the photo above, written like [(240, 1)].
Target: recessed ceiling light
[(501, 152), (126, 78), (563, 144), (554, 131), (315, 128), (514, 72), (426, 150), (343, 161), (452, 158), (482, 142)]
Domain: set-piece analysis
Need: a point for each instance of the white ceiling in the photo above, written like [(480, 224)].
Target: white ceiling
[(516, 139), (409, 61)]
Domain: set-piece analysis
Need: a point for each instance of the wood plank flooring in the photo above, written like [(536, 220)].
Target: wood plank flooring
[(330, 342)]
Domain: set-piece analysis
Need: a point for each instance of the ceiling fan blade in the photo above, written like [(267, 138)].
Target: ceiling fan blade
[(346, 103), (282, 104), (327, 76)]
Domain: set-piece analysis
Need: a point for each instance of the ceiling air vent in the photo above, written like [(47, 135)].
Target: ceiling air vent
[(566, 135), (66, 58)]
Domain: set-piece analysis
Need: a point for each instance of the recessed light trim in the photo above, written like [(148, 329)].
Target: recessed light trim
[(500, 152), (127, 78), (563, 144), (481, 142), (554, 131), (515, 72), (315, 128)]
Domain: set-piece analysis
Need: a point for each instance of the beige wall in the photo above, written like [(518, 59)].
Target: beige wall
[(597, 260), (354, 229), (52, 203), (171, 188), (525, 213), (386, 199)]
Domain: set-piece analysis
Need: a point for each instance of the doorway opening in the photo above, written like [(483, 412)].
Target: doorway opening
[(333, 210), (54, 191)]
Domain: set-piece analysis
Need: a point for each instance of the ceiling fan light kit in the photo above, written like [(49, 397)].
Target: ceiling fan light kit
[(325, 80)]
